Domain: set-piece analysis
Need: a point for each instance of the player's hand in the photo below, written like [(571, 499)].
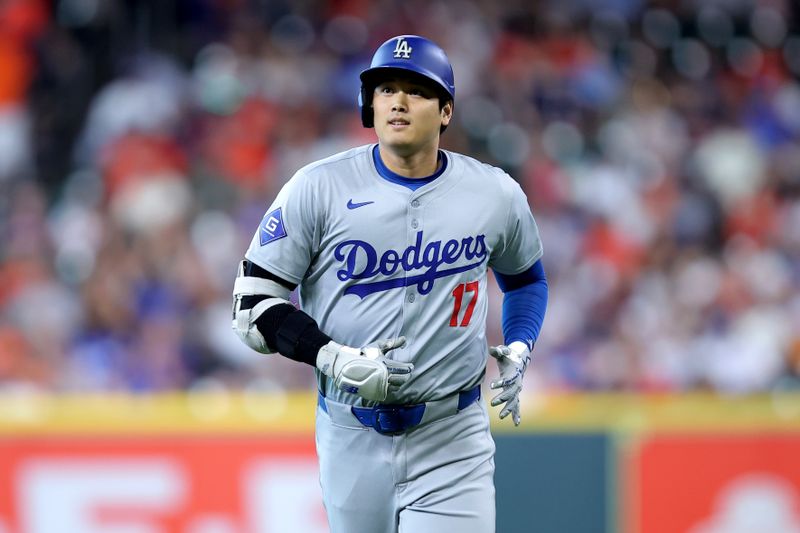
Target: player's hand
[(365, 371), (512, 360)]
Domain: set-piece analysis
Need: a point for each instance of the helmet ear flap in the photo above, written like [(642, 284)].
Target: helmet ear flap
[(365, 105)]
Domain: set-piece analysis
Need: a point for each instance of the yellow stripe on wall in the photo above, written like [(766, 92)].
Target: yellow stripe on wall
[(660, 412), (157, 414), (31, 414)]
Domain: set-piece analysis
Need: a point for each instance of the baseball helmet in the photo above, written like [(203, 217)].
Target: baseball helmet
[(406, 53)]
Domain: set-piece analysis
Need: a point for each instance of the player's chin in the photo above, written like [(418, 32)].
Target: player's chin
[(397, 139)]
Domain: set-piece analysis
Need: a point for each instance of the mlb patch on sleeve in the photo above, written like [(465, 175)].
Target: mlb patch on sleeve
[(271, 227)]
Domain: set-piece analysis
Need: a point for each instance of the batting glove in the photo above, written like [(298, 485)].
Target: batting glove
[(365, 371), (512, 360)]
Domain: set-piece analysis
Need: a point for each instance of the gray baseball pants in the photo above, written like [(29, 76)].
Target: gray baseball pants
[(437, 477)]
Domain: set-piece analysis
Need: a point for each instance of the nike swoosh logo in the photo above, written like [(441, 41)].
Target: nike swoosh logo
[(351, 205)]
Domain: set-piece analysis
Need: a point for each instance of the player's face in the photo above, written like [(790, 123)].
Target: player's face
[(408, 116)]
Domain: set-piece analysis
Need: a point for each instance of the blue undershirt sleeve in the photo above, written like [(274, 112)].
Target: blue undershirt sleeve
[(524, 304)]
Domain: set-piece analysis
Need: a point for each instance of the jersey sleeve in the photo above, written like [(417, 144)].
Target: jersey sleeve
[(288, 234), (520, 245)]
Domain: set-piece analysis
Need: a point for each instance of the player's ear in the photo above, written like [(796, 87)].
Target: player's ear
[(447, 112)]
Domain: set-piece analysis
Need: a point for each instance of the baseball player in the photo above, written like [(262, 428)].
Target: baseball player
[(389, 245)]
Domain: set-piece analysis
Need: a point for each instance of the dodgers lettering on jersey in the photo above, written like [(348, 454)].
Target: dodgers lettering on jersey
[(421, 266), (375, 260)]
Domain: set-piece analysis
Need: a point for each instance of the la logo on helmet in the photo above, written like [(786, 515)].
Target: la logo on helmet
[(402, 49)]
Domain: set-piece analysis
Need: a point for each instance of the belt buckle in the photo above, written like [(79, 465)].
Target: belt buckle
[(388, 420)]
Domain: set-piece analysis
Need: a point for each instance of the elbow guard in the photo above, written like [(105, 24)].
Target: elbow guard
[(269, 294)]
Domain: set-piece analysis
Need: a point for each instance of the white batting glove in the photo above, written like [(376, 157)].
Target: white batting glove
[(512, 360), (365, 371)]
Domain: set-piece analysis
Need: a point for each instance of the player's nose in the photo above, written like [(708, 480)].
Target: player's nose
[(399, 103)]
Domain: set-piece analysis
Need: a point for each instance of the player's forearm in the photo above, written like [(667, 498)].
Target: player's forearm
[(524, 304), (267, 322), (523, 313), (293, 333)]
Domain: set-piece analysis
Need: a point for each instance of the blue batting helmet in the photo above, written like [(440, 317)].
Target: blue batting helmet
[(407, 53)]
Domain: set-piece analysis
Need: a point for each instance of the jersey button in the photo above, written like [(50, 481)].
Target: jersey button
[(414, 224), (415, 203), (411, 298)]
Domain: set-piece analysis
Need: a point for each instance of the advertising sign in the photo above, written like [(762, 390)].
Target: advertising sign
[(160, 485), (716, 484)]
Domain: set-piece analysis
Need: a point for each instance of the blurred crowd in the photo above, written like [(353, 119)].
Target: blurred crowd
[(142, 141)]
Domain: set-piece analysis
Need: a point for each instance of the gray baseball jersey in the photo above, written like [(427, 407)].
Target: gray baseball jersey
[(374, 259)]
